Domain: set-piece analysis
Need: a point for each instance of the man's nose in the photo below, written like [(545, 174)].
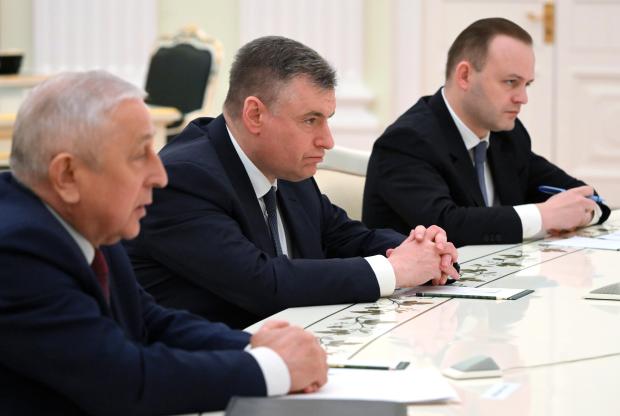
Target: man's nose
[(521, 96), (158, 177), (326, 140)]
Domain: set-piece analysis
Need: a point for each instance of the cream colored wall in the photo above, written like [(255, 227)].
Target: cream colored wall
[(15, 28), (378, 67), (217, 18), (220, 18)]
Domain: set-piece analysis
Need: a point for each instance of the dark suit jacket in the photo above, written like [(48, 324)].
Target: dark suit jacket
[(65, 352), (205, 245), (420, 172)]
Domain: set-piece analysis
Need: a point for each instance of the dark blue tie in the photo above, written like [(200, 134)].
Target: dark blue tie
[(272, 219), (480, 156)]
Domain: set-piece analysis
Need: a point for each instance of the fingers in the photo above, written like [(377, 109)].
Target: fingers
[(446, 261), (450, 271), (275, 324), (312, 388), (433, 233), (584, 190), (418, 233), (449, 249)]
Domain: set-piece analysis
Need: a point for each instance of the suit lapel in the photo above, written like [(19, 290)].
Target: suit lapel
[(505, 174), (459, 156), (298, 223), (242, 187)]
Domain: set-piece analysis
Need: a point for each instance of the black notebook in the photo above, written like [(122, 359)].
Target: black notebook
[(266, 406)]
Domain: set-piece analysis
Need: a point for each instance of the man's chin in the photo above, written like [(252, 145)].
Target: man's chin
[(300, 176), (507, 126), (131, 232)]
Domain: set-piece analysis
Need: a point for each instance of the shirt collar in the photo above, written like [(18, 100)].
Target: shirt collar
[(260, 183), (469, 137), (85, 246)]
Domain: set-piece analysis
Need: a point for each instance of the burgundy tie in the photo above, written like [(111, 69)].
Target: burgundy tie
[(100, 267)]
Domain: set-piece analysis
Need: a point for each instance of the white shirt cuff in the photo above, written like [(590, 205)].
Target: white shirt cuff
[(531, 220), (597, 215), (275, 371), (384, 272)]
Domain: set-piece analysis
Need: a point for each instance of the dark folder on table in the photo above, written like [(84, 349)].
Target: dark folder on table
[(265, 406)]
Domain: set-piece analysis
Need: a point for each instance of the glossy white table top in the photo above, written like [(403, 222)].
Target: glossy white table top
[(547, 343)]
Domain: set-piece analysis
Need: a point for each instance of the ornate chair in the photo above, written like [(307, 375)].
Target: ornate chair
[(182, 74)]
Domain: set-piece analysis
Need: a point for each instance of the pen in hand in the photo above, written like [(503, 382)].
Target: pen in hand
[(545, 189)]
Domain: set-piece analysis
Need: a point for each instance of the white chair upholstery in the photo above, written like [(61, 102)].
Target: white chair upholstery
[(341, 177)]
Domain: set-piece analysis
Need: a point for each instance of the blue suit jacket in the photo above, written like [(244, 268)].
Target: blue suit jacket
[(64, 351), (420, 172), (205, 244)]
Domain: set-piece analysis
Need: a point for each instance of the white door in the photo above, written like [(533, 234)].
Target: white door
[(588, 93), (573, 114), (445, 19)]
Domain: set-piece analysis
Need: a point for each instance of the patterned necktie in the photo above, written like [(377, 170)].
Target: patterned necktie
[(272, 220), (480, 156), (100, 267)]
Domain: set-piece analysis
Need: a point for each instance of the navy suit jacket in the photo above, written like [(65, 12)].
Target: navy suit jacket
[(205, 245), (420, 172), (65, 351)]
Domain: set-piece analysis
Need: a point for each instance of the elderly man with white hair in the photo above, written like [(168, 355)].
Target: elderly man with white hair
[(79, 335)]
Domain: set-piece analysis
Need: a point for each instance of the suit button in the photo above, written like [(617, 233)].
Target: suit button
[(498, 238), (485, 238)]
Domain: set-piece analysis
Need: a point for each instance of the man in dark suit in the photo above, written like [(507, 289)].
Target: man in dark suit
[(429, 166), (242, 231), (86, 339)]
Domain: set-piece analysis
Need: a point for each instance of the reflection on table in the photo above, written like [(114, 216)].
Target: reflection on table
[(560, 353)]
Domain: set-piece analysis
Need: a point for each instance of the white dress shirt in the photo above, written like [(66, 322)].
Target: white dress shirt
[(379, 264), (274, 369), (531, 219)]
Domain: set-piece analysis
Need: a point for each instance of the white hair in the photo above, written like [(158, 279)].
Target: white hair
[(65, 113)]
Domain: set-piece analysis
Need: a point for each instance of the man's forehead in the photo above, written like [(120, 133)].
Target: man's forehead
[(308, 98), (512, 57)]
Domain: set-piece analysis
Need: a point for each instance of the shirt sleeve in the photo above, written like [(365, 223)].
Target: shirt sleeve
[(384, 272), (597, 215), (531, 220), (275, 371)]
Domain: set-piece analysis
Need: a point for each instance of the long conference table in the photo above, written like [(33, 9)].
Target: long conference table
[(559, 353)]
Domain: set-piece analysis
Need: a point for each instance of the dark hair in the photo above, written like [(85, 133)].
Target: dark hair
[(472, 43), (265, 64)]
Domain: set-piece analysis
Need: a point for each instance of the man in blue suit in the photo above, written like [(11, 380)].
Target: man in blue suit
[(86, 339), (462, 159), (242, 231)]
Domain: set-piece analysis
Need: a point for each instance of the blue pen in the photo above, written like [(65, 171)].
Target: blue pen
[(553, 190)]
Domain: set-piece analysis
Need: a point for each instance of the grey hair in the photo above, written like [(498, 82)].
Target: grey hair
[(264, 65), (65, 113)]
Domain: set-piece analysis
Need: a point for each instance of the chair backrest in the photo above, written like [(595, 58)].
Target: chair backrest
[(183, 70), (341, 177)]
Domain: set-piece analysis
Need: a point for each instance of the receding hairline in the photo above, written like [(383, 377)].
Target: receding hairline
[(266, 65), (473, 43), (75, 106)]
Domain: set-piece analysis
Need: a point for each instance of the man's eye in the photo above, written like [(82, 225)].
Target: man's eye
[(310, 121)]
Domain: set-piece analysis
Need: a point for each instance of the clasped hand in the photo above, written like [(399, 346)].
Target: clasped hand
[(426, 254)]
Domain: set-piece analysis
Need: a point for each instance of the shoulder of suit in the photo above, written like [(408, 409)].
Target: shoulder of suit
[(418, 124)]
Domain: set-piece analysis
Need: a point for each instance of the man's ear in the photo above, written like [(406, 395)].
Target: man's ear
[(253, 114), (61, 174), (462, 74)]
